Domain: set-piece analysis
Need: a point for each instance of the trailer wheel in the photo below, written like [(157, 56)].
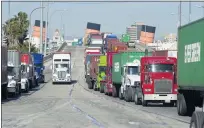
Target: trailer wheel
[(144, 102), (95, 85), (137, 101), (197, 120), (120, 94), (101, 88), (114, 94), (4, 92)]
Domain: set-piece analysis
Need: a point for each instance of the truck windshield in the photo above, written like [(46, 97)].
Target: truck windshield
[(102, 69), (132, 70), (23, 68), (160, 68)]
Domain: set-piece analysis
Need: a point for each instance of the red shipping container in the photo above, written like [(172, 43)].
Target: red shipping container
[(116, 47)]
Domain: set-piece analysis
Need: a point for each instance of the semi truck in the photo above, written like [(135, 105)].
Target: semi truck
[(108, 79), (28, 72), (102, 65), (93, 71), (61, 67), (38, 66), (126, 73), (190, 72), (4, 76), (14, 73), (158, 81), (168, 53)]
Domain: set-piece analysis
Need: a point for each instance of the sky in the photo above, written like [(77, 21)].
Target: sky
[(113, 17)]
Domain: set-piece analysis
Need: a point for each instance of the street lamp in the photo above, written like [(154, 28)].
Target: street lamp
[(61, 10), (31, 25)]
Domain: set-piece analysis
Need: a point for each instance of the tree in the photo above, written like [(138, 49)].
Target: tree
[(16, 28), (24, 47)]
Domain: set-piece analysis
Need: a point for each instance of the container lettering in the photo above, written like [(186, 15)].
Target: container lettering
[(192, 52), (116, 67)]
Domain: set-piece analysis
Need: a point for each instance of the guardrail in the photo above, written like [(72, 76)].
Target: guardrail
[(48, 57)]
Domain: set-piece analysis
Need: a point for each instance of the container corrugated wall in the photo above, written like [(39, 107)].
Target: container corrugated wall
[(190, 54), (14, 58)]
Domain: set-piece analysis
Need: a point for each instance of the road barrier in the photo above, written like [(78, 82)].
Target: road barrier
[(48, 57)]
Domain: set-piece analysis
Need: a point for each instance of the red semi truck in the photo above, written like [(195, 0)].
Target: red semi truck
[(158, 81), (27, 66), (93, 70)]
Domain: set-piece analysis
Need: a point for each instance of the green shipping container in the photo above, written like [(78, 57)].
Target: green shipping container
[(74, 43), (121, 59), (191, 55)]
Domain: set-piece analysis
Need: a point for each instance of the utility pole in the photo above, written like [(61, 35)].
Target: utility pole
[(46, 30), (41, 28)]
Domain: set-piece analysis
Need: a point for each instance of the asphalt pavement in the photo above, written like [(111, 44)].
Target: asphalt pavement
[(75, 106)]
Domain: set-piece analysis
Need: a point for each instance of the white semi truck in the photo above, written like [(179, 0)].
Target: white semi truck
[(61, 68), (130, 78)]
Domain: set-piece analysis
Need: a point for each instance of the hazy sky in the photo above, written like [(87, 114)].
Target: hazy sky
[(113, 17)]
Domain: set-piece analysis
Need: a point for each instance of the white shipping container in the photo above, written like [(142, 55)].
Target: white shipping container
[(97, 41)]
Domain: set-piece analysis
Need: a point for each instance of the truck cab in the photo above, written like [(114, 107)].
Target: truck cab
[(102, 65), (158, 81), (130, 75), (61, 68)]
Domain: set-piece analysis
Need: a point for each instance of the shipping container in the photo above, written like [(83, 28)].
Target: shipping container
[(93, 26), (4, 79), (120, 59), (147, 34), (14, 59), (190, 69), (116, 47), (167, 53)]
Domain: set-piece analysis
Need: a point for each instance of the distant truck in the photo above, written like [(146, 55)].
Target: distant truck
[(28, 79), (39, 66), (14, 73), (158, 81), (61, 68), (101, 74), (93, 71), (191, 72), (108, 86), (167, 53), (95, 40), (4, 76), (126, 73)]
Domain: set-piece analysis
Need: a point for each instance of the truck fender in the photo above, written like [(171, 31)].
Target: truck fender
[(122, 89)]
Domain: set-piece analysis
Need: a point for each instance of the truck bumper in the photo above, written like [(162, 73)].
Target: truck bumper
[(11, 89), (61, 80), (23, 86), (166, 98)]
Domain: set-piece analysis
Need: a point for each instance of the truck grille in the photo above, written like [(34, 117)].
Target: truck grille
[(163, 86), (61, 74)]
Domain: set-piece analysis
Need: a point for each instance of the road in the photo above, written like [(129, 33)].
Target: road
[(75, 106)]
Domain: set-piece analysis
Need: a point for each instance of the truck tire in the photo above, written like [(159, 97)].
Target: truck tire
[(114, 93), (144, 102), (31, 84), (137, 100), (133, 91), (43, 78), (128, 94), (120, 94), (105, 90), (4, 92), (197, 120), (184, 107), (101, 88), (95, 85)]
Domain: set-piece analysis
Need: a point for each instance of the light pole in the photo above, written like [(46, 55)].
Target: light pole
[(61, 10), (31, 25)]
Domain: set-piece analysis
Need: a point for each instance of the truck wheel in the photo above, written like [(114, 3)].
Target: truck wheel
[(144, 102), (30, 83), (94, 85), (128, 94), (101, 88), (105, 90), (114, 93), (137, 100), (19, 89), (27, 87), (120, 94), (4, 92), (184, 107), (197, 120)]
